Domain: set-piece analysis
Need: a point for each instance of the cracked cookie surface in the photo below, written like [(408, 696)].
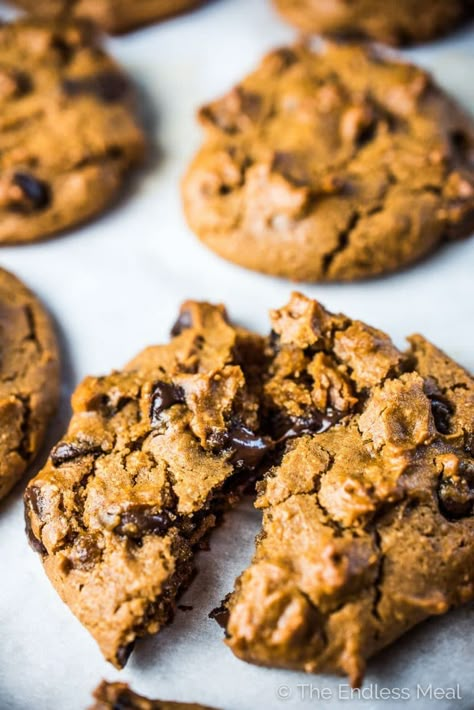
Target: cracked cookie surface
[(395, 22), (368, 522), (68, 133), (152, 455), (115, 16), (118, 696), (29, 378), (331, 165)]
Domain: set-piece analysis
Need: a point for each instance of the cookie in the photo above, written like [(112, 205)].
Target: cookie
[(152, 456), (396, 22), (368, 512), (331, 165), (118, 696), (68, 133), (114, 16), (29, 378)]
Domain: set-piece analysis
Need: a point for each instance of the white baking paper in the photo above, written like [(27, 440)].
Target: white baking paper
[(114, 287)]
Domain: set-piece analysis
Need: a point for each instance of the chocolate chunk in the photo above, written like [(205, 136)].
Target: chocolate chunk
[(248, 448), (36, 192), (66, 451), (221, 613), (185, 607), (139, 520), (184, 321), (124, 653), (107, 86), (165, 394), (442, 411)]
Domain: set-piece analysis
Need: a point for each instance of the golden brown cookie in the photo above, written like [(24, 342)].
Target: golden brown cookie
[(115, 16), (68, 133), (152, 455), (368, 524), (118, 696), (337, 164), (29, 378), (396, 22)]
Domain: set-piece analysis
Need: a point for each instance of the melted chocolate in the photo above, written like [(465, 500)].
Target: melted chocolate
[(164, 396), (314, 423), (36, 192), (248, 448), (139, 520)]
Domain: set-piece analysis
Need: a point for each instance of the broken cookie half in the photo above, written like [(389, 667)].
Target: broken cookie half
[(369, 512), (152, 455)]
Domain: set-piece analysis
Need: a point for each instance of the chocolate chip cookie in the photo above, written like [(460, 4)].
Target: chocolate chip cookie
[(369, 508), (29, 378), (332, 165), (396, 22), (68, 133), (152, 455), (115, 16), (118, 696)]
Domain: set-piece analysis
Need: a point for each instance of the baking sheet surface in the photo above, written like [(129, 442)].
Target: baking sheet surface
[(115, 287)]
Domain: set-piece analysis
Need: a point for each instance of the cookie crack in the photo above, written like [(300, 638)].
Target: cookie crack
[(343, 241)]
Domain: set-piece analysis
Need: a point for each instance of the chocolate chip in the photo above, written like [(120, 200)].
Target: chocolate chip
[(68, 451), (108, 405), (36, 192), (164, 396), (184, 322), (124, 653), (32, 495), (460, 143), (442, 412), (107, 86), (456, 494), (140, 520), (366, 134), (456, 501)]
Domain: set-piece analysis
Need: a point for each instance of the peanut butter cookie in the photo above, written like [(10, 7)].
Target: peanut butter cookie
[(396, 22), (152, 455), (369, 510), (29, 378), (68, 133), (332, 165)]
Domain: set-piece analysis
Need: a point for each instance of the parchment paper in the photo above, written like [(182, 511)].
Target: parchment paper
[(115, 287)]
